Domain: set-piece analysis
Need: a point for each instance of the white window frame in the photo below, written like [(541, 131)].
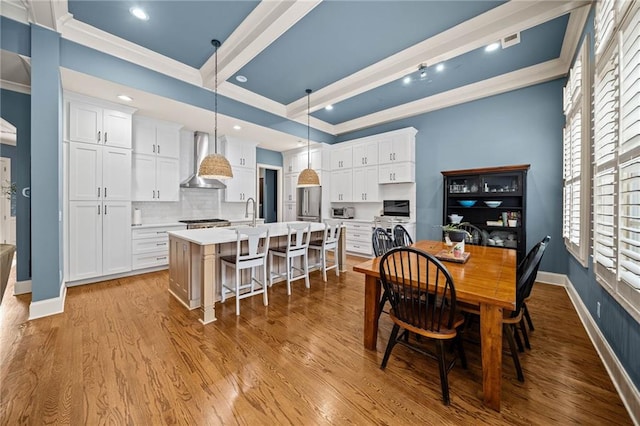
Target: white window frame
[(576, 202), (616, 218)]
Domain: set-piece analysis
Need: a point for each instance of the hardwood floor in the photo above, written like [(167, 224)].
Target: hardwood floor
[(125, 352)]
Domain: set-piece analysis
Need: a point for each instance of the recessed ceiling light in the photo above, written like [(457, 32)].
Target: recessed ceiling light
[(440, 67), (406, 80), (125, 98), (329, 107), (492, 47), (241, 78), (237, 127), (139, 13)]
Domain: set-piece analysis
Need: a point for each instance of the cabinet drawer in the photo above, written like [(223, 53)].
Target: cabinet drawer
[(141, 233), (358, 247), (149, 260), (151, 245), (359, 236)]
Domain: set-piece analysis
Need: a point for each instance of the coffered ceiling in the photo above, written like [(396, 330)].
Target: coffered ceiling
[(360, 57)]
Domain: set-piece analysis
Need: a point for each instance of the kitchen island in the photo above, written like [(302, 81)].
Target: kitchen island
[(194, 262)]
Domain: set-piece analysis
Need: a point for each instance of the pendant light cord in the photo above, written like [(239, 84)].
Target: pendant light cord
[(308, 127), (216, 43)]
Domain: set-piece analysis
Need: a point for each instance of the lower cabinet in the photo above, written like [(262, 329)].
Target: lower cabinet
[(290, 213), (359, 237), (99, 238), (150, 246)]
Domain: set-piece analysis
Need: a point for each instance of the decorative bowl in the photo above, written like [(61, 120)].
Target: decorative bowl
[(493, 204), (466, 203)]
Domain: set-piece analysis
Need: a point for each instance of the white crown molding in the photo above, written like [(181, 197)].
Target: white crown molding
[(264, 25), (463, 38), (89, 36), (47, 307), (15, 10), (624, 385), (535, 74), (15, 87), (577, 21)]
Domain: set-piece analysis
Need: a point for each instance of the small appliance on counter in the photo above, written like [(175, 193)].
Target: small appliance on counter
[(343, 212)]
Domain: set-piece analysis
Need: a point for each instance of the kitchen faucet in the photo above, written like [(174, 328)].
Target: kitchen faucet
[(255, 210)]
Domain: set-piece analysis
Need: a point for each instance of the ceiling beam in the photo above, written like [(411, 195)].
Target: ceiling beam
[(463, 38), (535, 74), (264, 25)]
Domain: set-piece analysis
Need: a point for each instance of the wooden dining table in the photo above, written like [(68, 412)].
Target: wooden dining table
[(487, 279)]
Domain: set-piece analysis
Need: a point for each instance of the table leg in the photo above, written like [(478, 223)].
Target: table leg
[(342, 250), (491, 337), (207, 284), (371, 302)]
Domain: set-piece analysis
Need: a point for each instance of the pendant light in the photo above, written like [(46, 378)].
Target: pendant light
[(215, 166), (308, 177)]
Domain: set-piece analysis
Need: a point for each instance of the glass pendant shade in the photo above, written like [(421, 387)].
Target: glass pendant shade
[(308, 177), (215, 166)]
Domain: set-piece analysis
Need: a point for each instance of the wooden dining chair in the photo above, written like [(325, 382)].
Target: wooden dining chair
[(423, 301), (382, 242), (401, 236), (545, 242), (475, 235), (512, 319)]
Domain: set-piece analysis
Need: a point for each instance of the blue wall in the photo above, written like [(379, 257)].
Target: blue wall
[(266, 156), (46, 162), (519, 127), (16, 109)]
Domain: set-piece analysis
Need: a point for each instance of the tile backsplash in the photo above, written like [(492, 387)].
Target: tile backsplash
[(193, 204)]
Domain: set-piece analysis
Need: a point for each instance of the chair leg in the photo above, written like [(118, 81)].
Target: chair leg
[(223, 279), (528, 317), (288, 275), (306, 269), (525, 335), (508, 331), (238, 274), (335, 260), (265, 296), (518, 341), (392, 342), (270, 268), (323, 255), (444, 381)]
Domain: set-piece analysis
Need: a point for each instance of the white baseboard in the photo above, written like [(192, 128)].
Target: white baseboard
[(621, 380), (22, 287), (44, 308), (551, 278)]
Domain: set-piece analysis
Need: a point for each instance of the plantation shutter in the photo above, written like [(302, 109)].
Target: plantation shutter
[(604, 24)]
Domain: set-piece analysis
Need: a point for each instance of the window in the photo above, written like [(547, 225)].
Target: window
[(576, 157), (616, 219)]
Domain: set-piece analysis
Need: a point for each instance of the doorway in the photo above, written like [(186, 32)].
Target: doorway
[(269, 193)]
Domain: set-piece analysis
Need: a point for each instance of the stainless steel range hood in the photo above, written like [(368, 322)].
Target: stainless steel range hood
[(200, 151)]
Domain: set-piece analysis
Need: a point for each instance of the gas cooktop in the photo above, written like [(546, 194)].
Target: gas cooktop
[(205, 223), (202, 220)]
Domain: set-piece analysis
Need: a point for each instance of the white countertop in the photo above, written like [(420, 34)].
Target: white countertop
[(221, 235)]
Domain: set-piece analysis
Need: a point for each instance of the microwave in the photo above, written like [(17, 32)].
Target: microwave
[(342, 212), (398, 208)]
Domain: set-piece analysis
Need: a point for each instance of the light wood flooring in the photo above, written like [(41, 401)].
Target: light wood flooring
[(125, 352)]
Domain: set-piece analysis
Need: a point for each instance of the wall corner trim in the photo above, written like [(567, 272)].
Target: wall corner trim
[(47, 307), (22, 287), (626, 389)]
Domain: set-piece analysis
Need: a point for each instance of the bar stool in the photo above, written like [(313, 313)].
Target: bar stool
[(255, 256), (328, 243), (298, 235)]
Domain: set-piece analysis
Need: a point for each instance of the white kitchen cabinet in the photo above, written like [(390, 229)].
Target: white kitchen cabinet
[(315, 163), (156, 137), (291, 163), (358, 237), (290, 213), (365, 184), (396, 148), (341, 158), (91, 123), (365, 154), (290, 185), (397, 173), (155, 178), (242, 186), (150, 246), (99, 172), (341, 185), (99, 238), (239, 153)]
